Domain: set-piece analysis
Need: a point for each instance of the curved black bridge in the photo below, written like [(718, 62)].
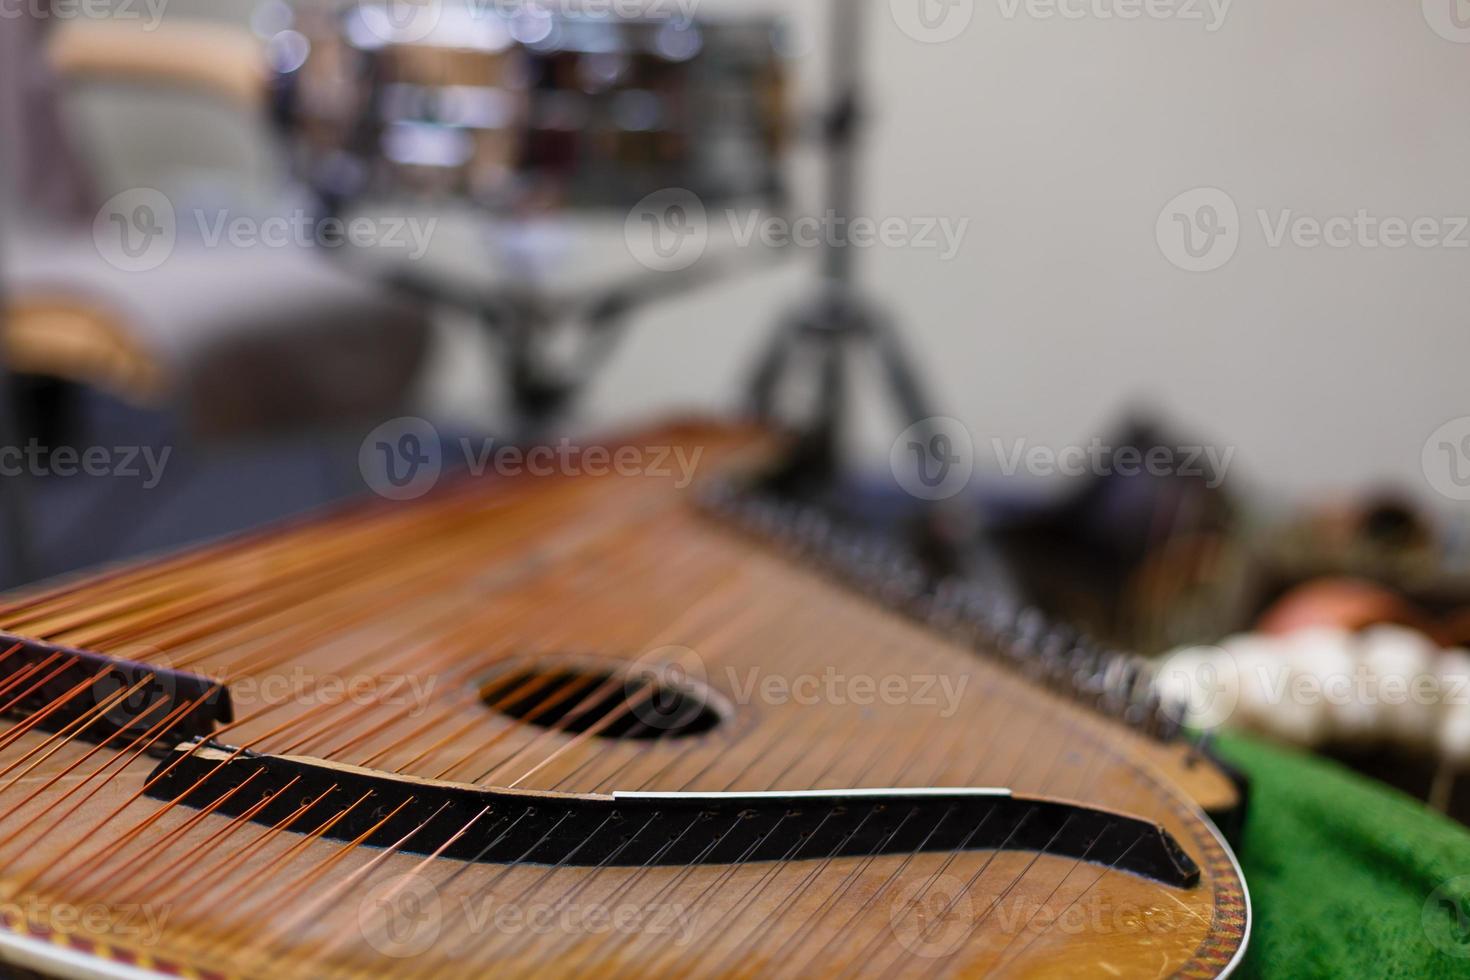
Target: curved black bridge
[(468, 823), (100, 698)]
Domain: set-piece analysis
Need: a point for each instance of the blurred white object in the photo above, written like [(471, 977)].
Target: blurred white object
[(1400, 664), (1303, 708), (1200, 685), (1262, 676), (1387, 684), (1453, 735), (1332, 657)]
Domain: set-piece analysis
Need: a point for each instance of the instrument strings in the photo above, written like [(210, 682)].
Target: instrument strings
[(426, 593)]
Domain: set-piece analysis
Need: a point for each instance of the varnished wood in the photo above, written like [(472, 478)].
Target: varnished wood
[(417, 603)]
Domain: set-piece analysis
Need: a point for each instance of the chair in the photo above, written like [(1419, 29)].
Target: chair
[(234, 340)]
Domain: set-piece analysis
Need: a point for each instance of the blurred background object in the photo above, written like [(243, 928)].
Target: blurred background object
[(524, 108), (529, 133), (237, 340), (1057, 142)]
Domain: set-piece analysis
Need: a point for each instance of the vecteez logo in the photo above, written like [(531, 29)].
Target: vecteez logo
[(668, 230), (1199, 230), (136, 230), (150, 12), (1445, 459), (941, 234), (399, 21), (934, 458), (402, 458), (139, 229), (932, 21), (402, 916), (1210, 14), (938, 21), (1450, 19), (1446, 917)]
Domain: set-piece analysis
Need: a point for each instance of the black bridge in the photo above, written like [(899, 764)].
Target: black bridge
[(106, 697), (467, 823)]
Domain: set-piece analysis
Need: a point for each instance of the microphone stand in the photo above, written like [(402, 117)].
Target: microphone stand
[(837, 325)]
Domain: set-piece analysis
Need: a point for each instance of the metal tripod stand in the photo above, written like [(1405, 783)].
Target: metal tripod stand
[(838, 325)]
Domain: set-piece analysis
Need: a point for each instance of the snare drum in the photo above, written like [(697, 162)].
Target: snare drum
[(522, 109)]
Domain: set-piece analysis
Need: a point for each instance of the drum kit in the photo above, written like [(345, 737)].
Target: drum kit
[(574, 118), (544, 128), (521, 108)]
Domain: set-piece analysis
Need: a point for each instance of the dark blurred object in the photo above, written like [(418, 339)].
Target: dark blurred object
[(17, 560), (181, 494), (1167, 556), (1134, 551), (525, 109), (1376, 559), (1381, 531), (1454, 626), (1417, 775), (1385, 521)]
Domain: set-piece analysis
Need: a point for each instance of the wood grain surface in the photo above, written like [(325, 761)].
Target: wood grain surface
[(366, 638)]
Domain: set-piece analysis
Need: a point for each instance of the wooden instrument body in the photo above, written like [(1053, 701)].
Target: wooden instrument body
[(368, 639)]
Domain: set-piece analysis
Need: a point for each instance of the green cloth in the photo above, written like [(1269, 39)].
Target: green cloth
[(1340, 870)]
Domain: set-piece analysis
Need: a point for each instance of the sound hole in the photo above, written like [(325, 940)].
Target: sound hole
[(646, 703)]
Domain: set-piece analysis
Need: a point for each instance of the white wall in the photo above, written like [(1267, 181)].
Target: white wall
[(1061, 141)]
